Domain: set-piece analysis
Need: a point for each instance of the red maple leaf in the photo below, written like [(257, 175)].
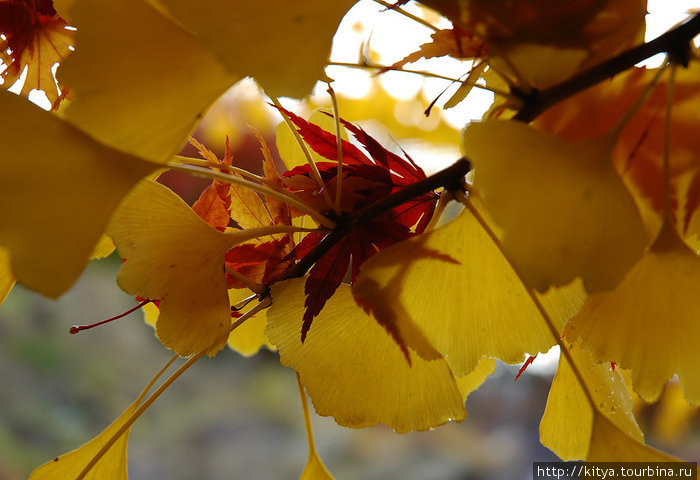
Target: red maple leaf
[(19, 18), (367, 178)]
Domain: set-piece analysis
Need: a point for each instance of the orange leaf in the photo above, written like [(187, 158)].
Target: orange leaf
[(36, 38), (214, 204), (455, 42)]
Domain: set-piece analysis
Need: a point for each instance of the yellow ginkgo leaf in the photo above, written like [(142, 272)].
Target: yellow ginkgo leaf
[(564, 210), (568, 405), (283, 45), (611, 444), (248, 337), (140, 92), (7, 279), (649, 323), (353, 369), (186, 276), (58, 188), (461, 293), (112, 465), (315, 469), (104, 248), (674, 417)]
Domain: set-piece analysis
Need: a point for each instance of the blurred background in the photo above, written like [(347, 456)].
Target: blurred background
[(240, 418)]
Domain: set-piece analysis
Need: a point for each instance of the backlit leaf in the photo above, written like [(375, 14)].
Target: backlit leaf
[(455, 42), (140, 92), (112, 465), (611, 444), (214, 203), (49, 240), (461, 293), (564, 210), (598, 29), (7, 279), (292, 40), (648, 324), (249, 337), (568, 405), (289, 148), (366, 178), (315, 469), (36, 38), (186, 276), (354, 371), (638, 155), (674, 418)]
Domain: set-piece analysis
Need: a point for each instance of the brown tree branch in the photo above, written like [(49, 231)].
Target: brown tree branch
[(450, 178), (675, 42)]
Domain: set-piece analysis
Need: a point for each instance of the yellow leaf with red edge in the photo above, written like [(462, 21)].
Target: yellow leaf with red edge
[(111, 466), (462, 295), (564, 211), (35, 38), (292, 40), (186, 276), (50, 241), (568, 405), (353, 369), (249, 337), (649, 323), (141, 92)]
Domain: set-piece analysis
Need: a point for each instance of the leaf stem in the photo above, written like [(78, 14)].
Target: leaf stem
[(307, 153), (533, 296), (254, 287), (451, 178), (445, 197), (307, 416), (667, 146), (158, 392), (282, 197), (638, 103), (416, 19), (339, 141), (372, 66), (197, 162), (79, 328)]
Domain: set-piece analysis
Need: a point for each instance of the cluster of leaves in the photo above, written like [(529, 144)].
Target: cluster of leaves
[(574, 212)]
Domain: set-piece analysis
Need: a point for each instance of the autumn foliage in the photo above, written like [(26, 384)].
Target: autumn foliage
[(577, 193)]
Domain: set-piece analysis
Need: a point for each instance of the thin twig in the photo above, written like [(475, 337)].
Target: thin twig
[(281, 196), (406, 14), (451, 178)]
